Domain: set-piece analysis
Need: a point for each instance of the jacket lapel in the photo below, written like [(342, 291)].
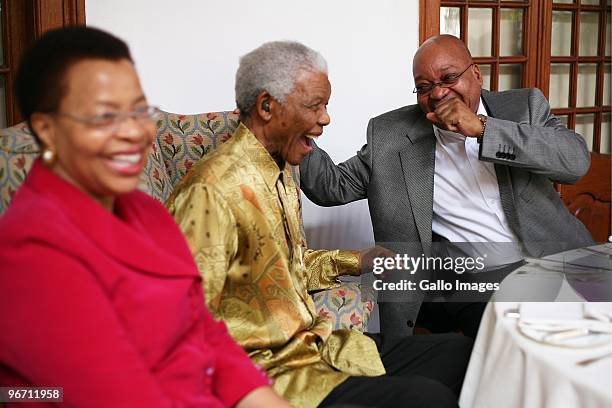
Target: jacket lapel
[(418, 168), (504, 178), (134, 239), (148, 234)]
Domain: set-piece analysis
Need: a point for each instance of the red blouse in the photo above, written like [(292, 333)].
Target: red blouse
[(109, 307)]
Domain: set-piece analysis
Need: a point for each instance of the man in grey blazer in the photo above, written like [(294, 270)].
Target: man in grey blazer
[(463, 165)]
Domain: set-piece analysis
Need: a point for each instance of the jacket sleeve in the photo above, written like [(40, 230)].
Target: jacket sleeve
[(210, 229), (543, 145), (328, 184), (324, 267), (55, 324), (231, 359)]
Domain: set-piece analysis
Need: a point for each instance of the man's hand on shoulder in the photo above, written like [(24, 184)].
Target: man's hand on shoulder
[(454, 115)]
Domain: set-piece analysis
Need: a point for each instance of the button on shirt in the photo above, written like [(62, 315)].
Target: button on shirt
[(466, 201)]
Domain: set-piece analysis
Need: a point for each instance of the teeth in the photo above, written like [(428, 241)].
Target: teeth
[(129, 158), (312, 137)]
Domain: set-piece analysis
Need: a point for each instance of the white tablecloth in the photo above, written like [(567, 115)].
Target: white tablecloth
[(508, 369)]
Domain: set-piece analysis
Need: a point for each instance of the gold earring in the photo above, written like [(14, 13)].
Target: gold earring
[(48, 157)]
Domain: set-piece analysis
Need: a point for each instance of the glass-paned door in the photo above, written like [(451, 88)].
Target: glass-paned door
[(494, 33), (579, 58)]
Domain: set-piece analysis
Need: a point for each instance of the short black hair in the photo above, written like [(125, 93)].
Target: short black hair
[(40, 83)]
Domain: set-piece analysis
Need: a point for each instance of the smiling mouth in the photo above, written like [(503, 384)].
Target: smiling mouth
[(127, 164), (127, 159)]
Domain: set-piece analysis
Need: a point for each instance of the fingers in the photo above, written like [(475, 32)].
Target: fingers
[(433, 118), (442, 122), (454, 115), (450, 111)]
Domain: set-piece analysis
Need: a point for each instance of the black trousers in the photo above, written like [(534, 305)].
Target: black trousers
[(422, 371), (439, 317), (443, 317)]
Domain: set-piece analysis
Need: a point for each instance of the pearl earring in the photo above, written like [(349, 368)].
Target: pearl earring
[(48, 156)]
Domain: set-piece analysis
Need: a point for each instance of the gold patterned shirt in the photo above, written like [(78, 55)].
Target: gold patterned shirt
[(240, 215)]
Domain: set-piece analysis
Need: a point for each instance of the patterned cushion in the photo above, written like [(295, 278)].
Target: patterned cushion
[(154, 179), (17, 153), (185, 139), (344, 306)]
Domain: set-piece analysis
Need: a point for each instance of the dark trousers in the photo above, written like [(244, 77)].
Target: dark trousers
[(443, 317), (439, 317), (422, 371)]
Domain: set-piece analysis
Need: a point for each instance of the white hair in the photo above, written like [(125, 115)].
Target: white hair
[(273, 67)]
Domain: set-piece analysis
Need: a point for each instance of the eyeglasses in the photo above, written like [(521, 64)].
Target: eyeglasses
[(110, 120), (448, 81)]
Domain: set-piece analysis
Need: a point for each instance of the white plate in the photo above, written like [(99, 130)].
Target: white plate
[(544, 336)]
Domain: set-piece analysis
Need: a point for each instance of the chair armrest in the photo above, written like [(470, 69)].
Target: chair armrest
[(344, 306)]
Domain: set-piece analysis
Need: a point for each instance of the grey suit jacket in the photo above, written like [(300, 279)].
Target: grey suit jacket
[(529, 146)]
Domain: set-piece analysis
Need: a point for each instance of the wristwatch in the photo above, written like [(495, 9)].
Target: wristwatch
[(483, 120)]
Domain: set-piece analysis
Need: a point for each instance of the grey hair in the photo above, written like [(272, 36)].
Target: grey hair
[(273, 67)]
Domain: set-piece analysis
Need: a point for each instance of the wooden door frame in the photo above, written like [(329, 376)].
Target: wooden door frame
[(429, 19), (49, 14), (23, 22)]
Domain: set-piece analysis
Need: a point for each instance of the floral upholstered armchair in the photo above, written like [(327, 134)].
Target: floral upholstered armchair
[(181, 141)]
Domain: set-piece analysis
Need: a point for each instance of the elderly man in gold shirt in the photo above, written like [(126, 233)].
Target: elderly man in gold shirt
[(239, 210)]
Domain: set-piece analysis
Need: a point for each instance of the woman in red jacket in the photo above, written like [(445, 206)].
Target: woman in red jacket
[(99, 293)]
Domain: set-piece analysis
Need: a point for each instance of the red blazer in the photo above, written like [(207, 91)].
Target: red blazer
[(109, 307)]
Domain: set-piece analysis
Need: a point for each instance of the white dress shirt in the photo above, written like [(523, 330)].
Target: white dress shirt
[(466, 201)]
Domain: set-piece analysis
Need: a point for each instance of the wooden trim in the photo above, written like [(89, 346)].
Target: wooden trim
[(599, 82), (529, 46), (74, 12), (22, 22), (580, 111), (50, 14), (17, 34), (429, 19), (503, 60), (572, 59), (482, 4), (589, 199), (574, 52), (495, 14), (464, 29), (544, 37)]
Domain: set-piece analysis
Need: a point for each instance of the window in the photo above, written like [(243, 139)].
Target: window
[(579, 61)]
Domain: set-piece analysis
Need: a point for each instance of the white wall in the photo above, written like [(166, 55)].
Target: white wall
[(187, 53)]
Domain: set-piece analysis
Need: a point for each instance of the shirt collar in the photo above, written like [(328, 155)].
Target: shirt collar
[(259, 156), (481, 108)]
